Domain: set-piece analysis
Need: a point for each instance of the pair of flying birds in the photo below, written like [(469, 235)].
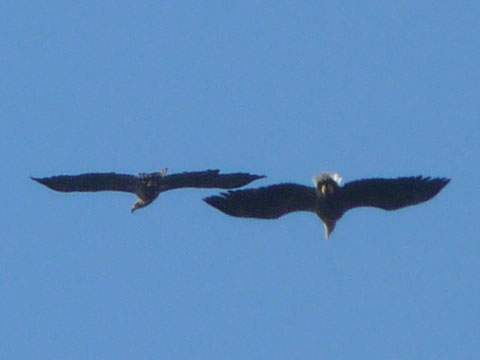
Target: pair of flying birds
[(328, 199)]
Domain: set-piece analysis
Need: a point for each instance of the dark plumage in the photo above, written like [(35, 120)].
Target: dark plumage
[(146, 186), (329, 200)]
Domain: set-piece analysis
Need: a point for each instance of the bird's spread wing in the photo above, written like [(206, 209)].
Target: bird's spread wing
[(269, 202), (91, 182), (390, 194), (207, 179)]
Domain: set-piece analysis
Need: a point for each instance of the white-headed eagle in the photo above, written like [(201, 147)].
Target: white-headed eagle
[(328, 199), (147, 186)]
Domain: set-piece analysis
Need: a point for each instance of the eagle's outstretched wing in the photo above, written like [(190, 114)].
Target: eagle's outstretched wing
[(91, 182), (269, 202), (389, 194), (206, 179)]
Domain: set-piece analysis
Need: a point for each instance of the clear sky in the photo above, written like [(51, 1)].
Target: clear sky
[(288, 89)]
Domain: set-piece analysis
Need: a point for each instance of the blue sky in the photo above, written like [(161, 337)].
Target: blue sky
[(286, 89)]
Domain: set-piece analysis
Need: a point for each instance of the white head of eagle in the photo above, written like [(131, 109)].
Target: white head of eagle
[(327, 183)]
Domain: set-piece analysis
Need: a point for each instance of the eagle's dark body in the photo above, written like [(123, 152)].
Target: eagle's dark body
[(328, 199), (146, 186)]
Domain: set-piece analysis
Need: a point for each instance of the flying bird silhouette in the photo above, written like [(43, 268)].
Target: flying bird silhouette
[(328, 199), (147, 186)]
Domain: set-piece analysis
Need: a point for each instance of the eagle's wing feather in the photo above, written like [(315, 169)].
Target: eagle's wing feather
[(91, 182), (207, 179), (269, 202), (390, 194)]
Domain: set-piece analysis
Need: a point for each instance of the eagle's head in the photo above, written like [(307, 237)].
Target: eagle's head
[(327, 183)]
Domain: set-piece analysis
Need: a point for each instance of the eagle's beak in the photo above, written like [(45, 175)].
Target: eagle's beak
[(323, 189)]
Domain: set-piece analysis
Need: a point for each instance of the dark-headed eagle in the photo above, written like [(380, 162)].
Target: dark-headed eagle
[(147, 186), (328, 199)]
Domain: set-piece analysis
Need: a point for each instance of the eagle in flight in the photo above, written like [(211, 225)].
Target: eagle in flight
[(328, 199), (147, 186)]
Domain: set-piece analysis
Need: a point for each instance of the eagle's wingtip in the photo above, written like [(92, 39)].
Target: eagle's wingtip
[(215, 201), (445, 182), (441, 182), (38, 180)]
